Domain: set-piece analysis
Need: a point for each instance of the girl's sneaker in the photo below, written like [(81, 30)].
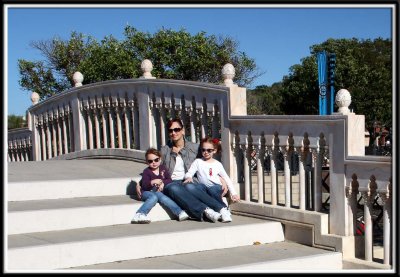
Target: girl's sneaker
[(140, 218), (183, 216), (212, 215)]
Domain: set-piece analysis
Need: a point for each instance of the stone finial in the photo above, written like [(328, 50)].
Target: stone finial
[(35, 98), (147, 67), (228, 72), (78, 79), (343, 100)]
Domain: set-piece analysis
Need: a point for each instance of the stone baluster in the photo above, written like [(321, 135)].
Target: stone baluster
[(63, 133), (351, 195), (48, 135), (10, 159), (303, 154), (23, 150), (18, 150), (163, 122), (118, 110), (153, 116), (135, 128), (368, 195), (215, 121), (96, 117), (287, 153), (274, 159), (202, 113), (12, 150), (71, 132), (110, 122), (53, 132), (43, 136), (92, 120), (247, 150), (260, 154), (88, 115), (131, 106), (103, 115), (125, 112), (386, 195), (57, 132), (37, 156), (193, 120), (317, 155)]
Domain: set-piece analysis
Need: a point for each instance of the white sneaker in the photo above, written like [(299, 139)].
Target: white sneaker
[(212, 215), (183, 216), (225, 215), (140, 218)]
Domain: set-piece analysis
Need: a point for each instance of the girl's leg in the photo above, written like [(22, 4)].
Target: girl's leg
[(216, 192), (150, 200), (168, 203), (200, 192)]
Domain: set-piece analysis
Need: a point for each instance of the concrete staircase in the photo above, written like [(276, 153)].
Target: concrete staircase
[(75, 215)]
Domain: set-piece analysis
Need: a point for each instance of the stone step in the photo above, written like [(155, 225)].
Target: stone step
[(57, 189), (276, 256), (87, 246), (71, 213)]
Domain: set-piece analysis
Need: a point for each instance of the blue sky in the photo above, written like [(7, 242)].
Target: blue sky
[(277, 37)]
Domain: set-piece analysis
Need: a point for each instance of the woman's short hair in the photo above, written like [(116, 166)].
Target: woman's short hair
[(174, 120)]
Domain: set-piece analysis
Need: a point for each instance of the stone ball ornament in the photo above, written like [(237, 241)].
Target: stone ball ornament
[(228, 73), (35, 98), (343, 100), (146, 67), (78, 79)]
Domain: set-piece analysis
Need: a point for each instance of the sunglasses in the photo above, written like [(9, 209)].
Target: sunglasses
[(155, 160), (207, 150), (176, 130)]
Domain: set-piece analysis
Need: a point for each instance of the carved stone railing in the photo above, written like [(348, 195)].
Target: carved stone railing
[(369, 178), (19, 145)]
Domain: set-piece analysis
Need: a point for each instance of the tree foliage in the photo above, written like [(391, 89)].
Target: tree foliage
[(174, 54), (15, 121), (264, 99), (363, 67)]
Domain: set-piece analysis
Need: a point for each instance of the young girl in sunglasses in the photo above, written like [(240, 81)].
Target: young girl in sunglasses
[(209, 171), (154, 178)]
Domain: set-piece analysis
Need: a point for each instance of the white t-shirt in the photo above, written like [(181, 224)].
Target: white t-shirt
[(179, 169), (208, 173)]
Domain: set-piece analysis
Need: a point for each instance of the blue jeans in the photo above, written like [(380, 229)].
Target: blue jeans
[(214, 191), (193, 203), (151, 198)]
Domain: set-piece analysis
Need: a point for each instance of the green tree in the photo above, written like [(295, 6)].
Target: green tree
[(174, 54), (264, 99), (15, 121), (363, 67)]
